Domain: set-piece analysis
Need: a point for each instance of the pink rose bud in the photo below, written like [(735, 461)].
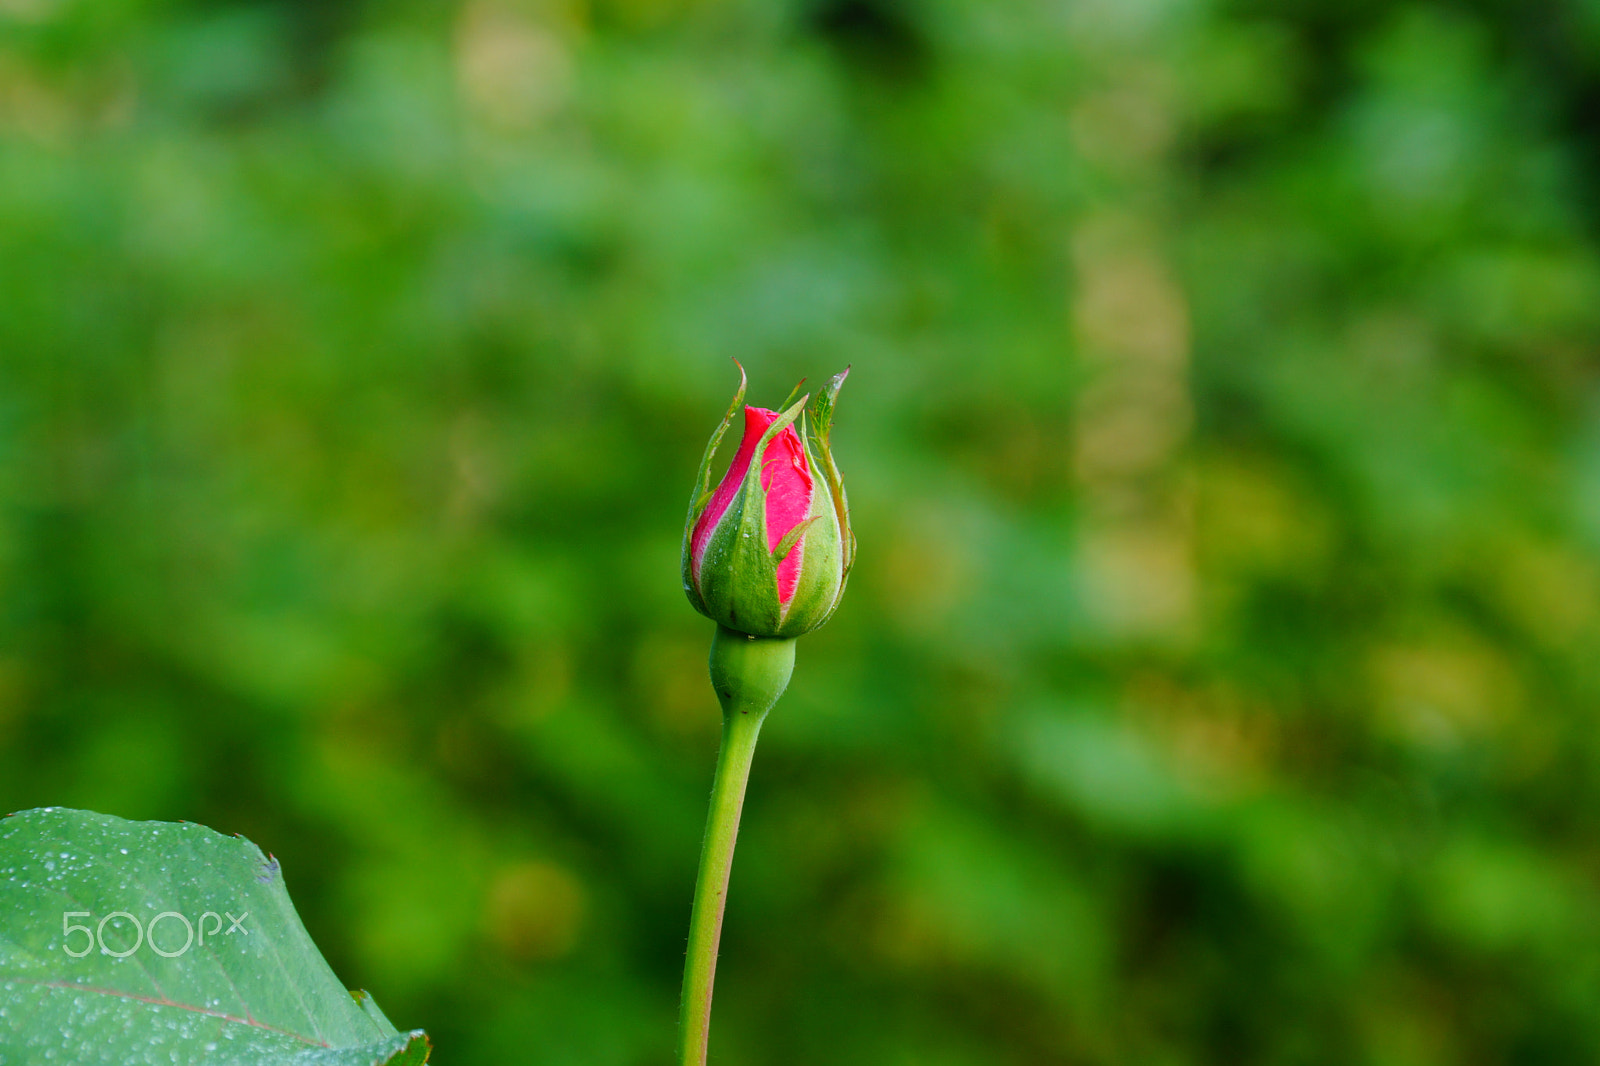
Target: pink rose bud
[(768, 552)]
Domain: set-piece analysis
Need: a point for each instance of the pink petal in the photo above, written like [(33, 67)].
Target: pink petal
[(786, 478)]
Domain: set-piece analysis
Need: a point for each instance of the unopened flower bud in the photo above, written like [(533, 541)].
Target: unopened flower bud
[(767, 553)]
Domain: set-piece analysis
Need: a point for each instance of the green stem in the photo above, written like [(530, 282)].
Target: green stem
[(749, 674)]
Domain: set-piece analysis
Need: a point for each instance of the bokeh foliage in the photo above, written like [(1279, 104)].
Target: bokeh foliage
[(1217, 682)]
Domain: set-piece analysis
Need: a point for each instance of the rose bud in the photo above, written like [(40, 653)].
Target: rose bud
[(768, 552)]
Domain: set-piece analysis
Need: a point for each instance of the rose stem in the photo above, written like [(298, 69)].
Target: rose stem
[(749, 674)]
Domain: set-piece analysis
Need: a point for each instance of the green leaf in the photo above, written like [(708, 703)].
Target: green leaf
[(218, 970)]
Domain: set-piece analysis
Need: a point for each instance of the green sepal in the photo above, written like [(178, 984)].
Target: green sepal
[(816, 592), (822, 405), (787, 400), (737, 577), (784, 420), (703, 491), (821, 413), (791, 538)]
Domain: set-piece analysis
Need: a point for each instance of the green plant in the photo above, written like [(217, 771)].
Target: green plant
[(766, 556)]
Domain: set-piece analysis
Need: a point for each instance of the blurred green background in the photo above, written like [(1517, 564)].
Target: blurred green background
[(1218, 681)]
